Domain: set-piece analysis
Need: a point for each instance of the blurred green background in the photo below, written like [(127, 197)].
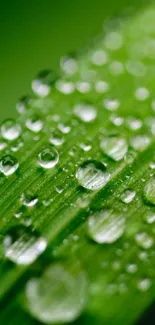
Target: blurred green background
[(35, 34)]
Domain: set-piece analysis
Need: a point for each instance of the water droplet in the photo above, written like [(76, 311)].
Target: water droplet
[(56, 138), (69, 65), (150, 218), (29, 200), (140, 142), (85, 146), (23, 104), (41, 85), (111, 104), (152, 165), (3, 145), (144, 240), (144, 284), (59, 296), (128, 196), (132, 268), (114, 147), (92, 175), (83, 87), (106, 227), (8, 165), (10, 130), (64, 128), (116, 68), (48, 157), (142, 94), (22, 246), (101, 86), (34, 124), (117, 120), (85, 112), (65, 87), (149, 191), (99, 57), (134, 123), (113, 41)]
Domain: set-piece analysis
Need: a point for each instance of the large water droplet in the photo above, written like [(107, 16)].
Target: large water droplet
[(22, 246), (106, 226), (59, 296), (140, 142), (10, 130), (114, 147), (92, 175), (149, 191), (85, 112), (8, 165), (48, 157)]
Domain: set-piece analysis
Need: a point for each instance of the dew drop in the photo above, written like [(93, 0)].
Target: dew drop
[(144, 240), (34, 124), (56, 138), (22, 246), (132, 268), (111, 104), (106, 227), (140, 142), (8, 165), (85, 112), (23, 104), (41, 85), (69, 65), (114, 147), (144, 284), (92, 175), (113, 41), (48, 157), (150, 218), (59, 296), (149, 191), (101, 86), (10, 130), (99, 57), (28, 200), (128, 196), (65, 87), (83, 87), (142, 94)]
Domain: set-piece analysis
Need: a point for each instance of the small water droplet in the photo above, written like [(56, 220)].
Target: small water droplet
[(114, 147), (132, 268), (149, 191), (29, 200), (134, 123), (113, 41), (144, 240), (64, 128), (8, 165), (111, 104), (142, 94), (59, 296), (48, 157), (65, 87), (23, 104), (101, 86), (41, 85), (150, 218), (10, 130), (140, 142), (92, 175), (106, 227), (85, 112), (22, 246), (144, 284), (99, 57), (34, 124), (83, 87), (56, 138), (128, 196), (69, 65)]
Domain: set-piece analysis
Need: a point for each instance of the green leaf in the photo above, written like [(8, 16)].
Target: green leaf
[(84, 184)]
